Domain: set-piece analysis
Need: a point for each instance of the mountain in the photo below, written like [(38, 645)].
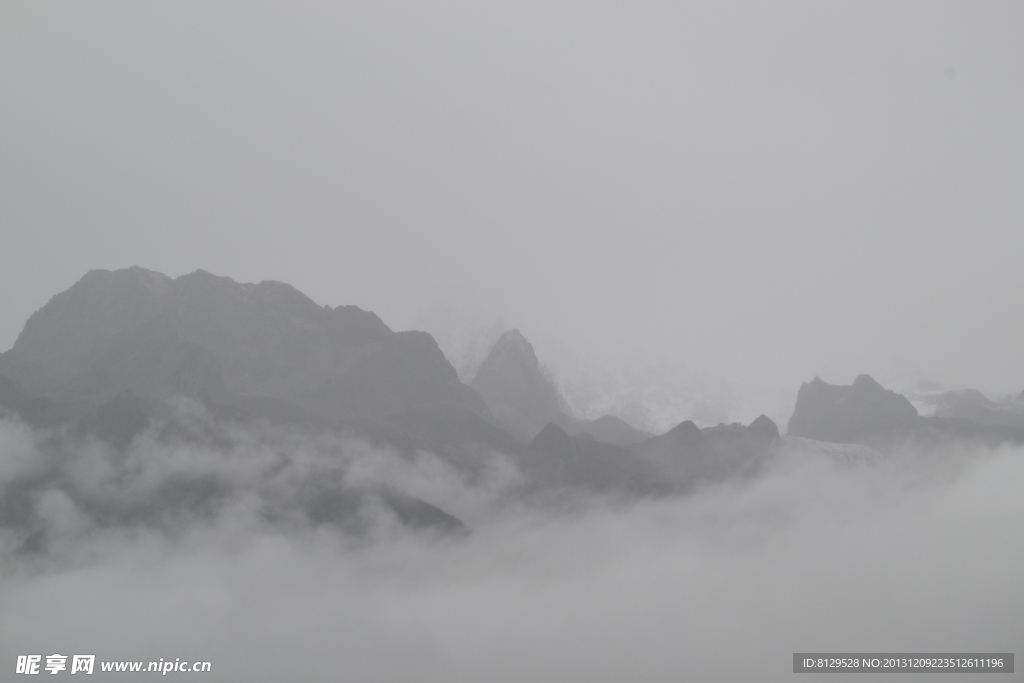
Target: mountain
[(102, 359), (520, 394), (609, 429), (559, 459), (106, 360), (35, 410), (515, 388), (972, 405), (764, 428), (867, 413), (687, 455), (850, 414), (253, 348)]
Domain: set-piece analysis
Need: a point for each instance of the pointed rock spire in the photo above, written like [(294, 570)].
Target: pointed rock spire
[(515, 387)]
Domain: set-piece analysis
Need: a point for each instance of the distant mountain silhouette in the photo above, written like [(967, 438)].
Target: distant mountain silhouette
[(685, 437), (557, 459), (524, 398), (866, 413), (972, 405), (850, 414), (609, 429), (687, 455), (341, 507), (256, 347), (516, 390), (102, 359), (109, 358), (764, 428)]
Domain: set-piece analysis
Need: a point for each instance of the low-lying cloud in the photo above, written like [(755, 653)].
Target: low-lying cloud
[(914, 552)]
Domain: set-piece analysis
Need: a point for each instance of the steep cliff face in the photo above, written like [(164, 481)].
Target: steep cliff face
[(857, 413)]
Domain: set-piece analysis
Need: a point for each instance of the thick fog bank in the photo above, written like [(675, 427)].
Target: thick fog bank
[(912, 553)]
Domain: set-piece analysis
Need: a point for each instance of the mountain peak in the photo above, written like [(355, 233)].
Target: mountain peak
[(765, 427), (515, 387), (853, 413), (551, 434), (209, 337), (687, 435), (867, 382), (513, 342)]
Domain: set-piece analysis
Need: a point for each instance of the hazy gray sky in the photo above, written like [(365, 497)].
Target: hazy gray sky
[(766, 191)]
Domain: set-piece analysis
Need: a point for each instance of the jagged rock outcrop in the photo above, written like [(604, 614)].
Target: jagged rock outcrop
[(859, 413)]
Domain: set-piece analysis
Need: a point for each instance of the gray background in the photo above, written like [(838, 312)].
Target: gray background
[(758, 193)]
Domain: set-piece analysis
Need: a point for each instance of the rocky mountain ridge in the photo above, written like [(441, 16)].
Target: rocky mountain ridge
[(109, 360), (263, 346)]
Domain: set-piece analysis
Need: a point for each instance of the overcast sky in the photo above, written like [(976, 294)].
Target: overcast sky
[(764, 191)]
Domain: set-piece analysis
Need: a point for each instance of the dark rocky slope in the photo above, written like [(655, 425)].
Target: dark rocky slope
[(252, 348)]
